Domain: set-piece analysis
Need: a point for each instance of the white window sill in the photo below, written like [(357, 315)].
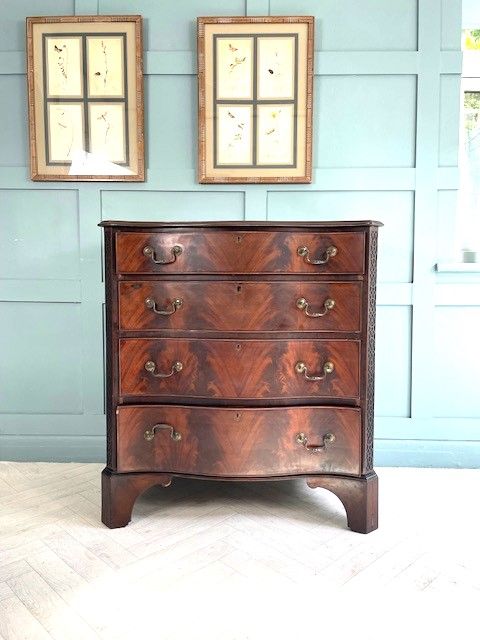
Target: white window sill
[(458, 267)]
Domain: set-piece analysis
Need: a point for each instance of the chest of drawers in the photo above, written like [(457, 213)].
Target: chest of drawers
[(240, 351)]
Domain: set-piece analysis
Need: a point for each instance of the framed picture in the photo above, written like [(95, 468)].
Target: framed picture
[(255, 80), (85, 98)]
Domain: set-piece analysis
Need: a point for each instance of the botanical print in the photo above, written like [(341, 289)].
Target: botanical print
[(276, 68), (274, 58), (275, 134), (255, 99), (105, 66), (234, 68), (107, 137), (64, 66), (65, 129), (234, 134), (85, 97)]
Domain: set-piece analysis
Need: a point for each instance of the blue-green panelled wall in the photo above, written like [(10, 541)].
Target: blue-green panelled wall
[(385, 147)]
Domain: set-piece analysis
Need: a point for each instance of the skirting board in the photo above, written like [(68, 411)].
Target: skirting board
[(388, 453)]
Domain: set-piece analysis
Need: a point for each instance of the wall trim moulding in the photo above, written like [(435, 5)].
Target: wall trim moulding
[(391, 453), (44, 290), (389, 294), (324, 179), (454, 454), (326, 62), (52, 425), (465, 429)]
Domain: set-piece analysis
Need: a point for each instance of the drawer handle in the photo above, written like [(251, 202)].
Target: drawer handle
[(150, 253), (328, 368), (328, 438), (330, 252), (151, 304), (303, 305), (150, 433), (150, 366)]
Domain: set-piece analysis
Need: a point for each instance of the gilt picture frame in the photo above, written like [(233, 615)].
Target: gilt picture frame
[(85, 98), (255, 86)]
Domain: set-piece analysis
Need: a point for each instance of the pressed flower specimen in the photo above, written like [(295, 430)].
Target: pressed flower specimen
[(62, 59)]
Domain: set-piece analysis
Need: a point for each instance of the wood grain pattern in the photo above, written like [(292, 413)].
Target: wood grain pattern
[(239, 306), (240, 252), (238, 401), (239, 369), (120, 492), (238, 442), (359, 496), (245, 225)]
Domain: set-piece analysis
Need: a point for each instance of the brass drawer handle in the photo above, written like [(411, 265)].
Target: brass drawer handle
[(150, 366), (303, 305), (330, 252), (150, 433), (149, 252), (175, 304), (328, 368), (328, 438)]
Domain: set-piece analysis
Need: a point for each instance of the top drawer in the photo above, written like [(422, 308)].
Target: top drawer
[(240, 252)]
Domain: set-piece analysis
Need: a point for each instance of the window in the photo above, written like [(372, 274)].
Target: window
[(469, 152)]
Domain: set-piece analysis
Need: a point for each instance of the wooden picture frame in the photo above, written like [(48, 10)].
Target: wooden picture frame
[(85, 98), (255, 85)]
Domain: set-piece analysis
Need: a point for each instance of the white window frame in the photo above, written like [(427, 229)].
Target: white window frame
[(468, 213)]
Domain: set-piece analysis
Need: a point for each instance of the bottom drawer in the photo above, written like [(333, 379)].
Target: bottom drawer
[(239, 442)]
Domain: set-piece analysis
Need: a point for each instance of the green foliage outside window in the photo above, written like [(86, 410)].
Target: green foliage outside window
[(471, 110), (471, 39)]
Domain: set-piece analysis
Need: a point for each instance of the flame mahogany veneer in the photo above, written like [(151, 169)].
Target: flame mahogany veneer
[(238, 306), (233, 353)]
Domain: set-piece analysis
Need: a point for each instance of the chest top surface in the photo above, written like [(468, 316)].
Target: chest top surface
[(259, 224)]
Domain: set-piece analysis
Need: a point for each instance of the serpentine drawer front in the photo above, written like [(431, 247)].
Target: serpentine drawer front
[(268, 369), (240, 306), (239, 442), (240, 252), (240, 350)]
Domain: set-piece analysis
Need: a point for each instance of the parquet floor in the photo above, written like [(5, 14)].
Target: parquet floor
[(197, 552)]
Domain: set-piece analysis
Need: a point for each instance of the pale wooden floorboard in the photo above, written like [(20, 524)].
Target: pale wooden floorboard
[(5, 591), (63, 575), (17, 623), (49, 609)]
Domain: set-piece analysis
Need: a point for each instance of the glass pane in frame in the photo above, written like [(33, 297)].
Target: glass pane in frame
[(105, 64), (63, 66), (275, 134), (65, 131), (234, 136), (276, 67), (107, 131), (234, 68)]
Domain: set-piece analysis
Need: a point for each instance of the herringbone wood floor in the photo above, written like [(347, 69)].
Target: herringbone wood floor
[(64, 575)]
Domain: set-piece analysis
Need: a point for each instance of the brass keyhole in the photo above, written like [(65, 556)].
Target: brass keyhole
[(239, 288), (239, 346), (239, 238)]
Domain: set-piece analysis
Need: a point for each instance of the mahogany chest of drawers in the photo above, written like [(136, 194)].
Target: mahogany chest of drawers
[(240, 351)]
